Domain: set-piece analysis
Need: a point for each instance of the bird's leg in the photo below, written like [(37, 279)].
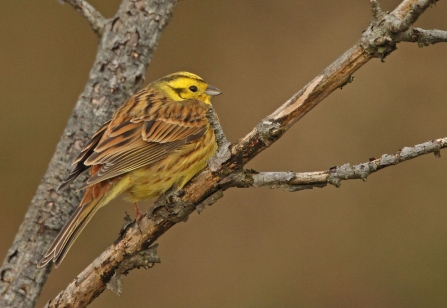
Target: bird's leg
[(139, 215)]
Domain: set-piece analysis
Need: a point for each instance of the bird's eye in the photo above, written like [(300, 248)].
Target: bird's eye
[(193, 88)]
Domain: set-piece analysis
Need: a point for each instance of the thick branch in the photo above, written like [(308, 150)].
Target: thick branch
[(206, 188), (294, 181), (125, 50), (95, 19)]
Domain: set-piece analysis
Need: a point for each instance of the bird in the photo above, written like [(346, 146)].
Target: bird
[(158, 139)]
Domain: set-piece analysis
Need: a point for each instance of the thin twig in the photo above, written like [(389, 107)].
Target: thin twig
[(412, 16), (423, 37), (294, 181), (223, 153), (145, 259), (94, 17)]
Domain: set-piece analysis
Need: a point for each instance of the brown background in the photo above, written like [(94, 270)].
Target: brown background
[(376, 244)]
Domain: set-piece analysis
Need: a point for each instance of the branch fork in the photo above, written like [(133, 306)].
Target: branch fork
[(93, 16), (387, 29)]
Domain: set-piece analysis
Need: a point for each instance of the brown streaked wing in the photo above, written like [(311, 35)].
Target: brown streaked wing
[(88, 149), (132, 161), (119, 139), (86, 152), (163, 132), (144, 140)]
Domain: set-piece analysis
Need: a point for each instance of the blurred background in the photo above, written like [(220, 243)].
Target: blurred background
[(376, 244)]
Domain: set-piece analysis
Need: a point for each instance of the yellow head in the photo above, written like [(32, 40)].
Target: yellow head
[(183, 85)]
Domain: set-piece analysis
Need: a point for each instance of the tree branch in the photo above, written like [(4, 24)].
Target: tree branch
[(94, 18), (125, 49), (294, 181), (146, 259), (404, 7), (423, 37), (385, 31), (398, 25), (205, 188)]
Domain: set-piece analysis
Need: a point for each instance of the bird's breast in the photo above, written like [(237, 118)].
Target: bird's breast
[(176, 169)]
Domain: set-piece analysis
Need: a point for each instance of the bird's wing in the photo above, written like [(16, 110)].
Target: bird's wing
[(145, 137), (86, 152)]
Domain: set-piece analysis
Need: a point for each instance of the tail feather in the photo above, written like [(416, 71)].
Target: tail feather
[(70, 232), (94, 198)]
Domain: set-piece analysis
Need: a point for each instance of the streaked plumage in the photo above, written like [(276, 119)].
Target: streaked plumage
[(158, 138)]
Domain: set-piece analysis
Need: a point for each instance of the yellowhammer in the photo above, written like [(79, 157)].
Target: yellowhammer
[(158, 138)]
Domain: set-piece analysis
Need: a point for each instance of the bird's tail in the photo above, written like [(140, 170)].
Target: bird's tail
[(94, 198), (70, 232)]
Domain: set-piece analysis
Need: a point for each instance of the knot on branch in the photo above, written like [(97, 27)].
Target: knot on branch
[(385, 30), (170, 206), (269, 131)]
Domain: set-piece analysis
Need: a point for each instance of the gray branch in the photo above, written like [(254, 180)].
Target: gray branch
[(397, 25), (145, 259), (423, 37), (223, 153), (95, 18), (388, 29), (124, 52), (295, 181)]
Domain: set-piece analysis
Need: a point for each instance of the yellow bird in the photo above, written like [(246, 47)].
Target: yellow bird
[(158, 138)]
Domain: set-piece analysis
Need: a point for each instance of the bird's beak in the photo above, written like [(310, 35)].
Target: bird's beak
[(213, 91)]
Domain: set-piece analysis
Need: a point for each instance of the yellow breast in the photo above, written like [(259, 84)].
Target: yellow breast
[(176, 169)]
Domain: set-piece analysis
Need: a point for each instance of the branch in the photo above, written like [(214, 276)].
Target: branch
[(292, 181), (222, 153), (125, 49), (423, 37), (385, 31), (94, 18), (401, 28), (146, 259), (401, 25), (205, 188)]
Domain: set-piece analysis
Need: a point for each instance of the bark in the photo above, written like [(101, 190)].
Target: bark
[(126, 45)]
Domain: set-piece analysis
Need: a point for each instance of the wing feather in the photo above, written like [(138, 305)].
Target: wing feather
[(85, 153), (133, 139)]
